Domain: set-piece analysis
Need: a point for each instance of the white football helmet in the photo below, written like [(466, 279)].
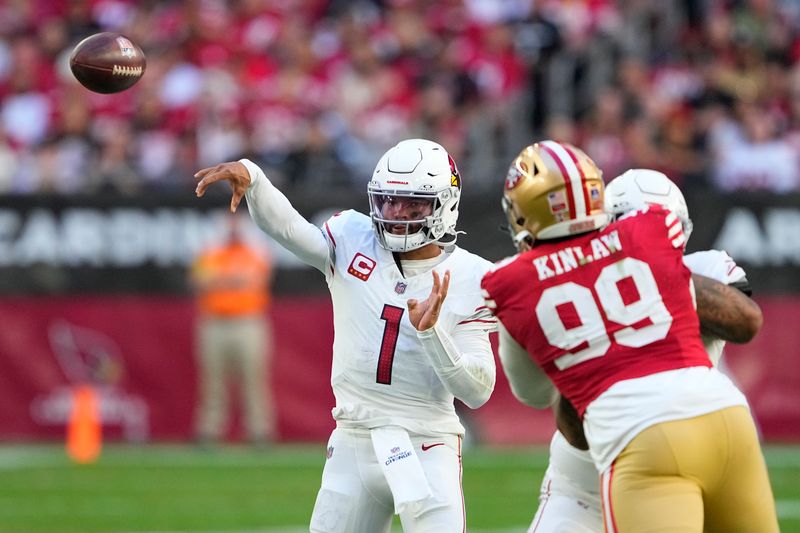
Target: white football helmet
[(419, 169), (639, 187)]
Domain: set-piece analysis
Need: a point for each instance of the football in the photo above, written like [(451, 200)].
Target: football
[(107, 62)]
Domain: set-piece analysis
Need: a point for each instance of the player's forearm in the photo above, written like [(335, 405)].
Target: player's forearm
[(725, 311), (467, 373), (275, 215), (529, 384)]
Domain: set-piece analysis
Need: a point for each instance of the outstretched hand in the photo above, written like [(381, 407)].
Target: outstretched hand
[(423, 315), (234, 172)]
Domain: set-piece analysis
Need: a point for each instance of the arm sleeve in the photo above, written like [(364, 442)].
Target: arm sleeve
[(464, 362), (529, 383), (275, 215)]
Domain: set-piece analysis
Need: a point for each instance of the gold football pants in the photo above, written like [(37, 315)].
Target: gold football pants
[(699, 474)]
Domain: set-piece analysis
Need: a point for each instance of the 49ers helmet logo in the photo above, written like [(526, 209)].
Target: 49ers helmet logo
[(513, 177)]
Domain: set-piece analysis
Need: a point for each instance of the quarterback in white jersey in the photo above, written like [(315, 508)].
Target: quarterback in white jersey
[(569, 500), (411, 334)]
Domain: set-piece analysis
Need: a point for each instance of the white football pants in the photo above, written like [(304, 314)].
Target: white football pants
[(355, 497), (569, 500)]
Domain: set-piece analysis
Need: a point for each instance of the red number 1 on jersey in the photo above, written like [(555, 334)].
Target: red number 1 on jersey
[(391, 331)]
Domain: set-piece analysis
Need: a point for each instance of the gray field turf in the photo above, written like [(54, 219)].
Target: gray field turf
[(160, 488)]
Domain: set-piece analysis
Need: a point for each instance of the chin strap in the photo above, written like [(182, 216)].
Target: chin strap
[(449, 239), (523, 237)]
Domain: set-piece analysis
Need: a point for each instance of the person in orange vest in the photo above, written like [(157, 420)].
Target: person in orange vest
[(233, 336)]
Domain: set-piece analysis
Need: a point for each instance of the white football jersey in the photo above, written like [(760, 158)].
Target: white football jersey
[(717, 265), (381, 375)]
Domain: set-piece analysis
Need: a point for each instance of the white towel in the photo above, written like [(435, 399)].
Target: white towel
[(400, 465)]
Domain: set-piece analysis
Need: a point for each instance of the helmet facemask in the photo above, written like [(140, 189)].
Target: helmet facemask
[(521, 237)]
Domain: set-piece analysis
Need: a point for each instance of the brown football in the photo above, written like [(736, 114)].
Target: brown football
[(107, 62)]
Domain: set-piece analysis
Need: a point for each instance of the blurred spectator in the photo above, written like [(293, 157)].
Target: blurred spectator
[(755, 158), (116, 171), (8, 164), (605, 134), (234, 337), (316, 90)]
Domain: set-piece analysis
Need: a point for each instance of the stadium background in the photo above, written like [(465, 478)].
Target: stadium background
[(98, 220)]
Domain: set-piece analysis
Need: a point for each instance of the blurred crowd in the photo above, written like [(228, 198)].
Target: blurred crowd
[(707, 91)]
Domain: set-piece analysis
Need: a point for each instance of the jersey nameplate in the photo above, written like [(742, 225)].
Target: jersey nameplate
[(572, 257)]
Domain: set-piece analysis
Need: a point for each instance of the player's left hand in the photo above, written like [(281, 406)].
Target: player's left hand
[(234, 172), (423, 315)]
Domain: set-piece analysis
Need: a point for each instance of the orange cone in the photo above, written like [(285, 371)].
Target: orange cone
[(84, 434)]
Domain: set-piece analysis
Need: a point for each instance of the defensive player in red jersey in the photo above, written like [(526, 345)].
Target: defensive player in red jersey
[(607, 312), (569, 499)]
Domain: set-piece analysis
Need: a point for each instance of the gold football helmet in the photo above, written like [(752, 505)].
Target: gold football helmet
[(552, 190)]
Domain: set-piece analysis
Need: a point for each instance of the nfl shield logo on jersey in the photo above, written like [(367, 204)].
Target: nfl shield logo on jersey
[(400, 288)]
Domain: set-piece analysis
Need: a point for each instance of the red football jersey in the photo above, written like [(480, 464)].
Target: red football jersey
[(602, 307)]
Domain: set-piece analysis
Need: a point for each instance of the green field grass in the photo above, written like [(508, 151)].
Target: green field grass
[(233, 489)]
